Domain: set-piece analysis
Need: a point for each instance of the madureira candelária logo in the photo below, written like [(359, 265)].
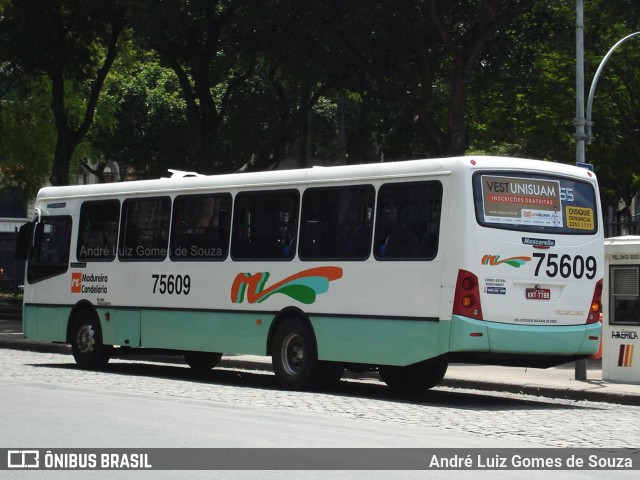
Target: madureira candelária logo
[(304, 286), (494, 260)]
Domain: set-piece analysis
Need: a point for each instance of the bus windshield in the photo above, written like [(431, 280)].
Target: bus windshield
[(534, 203)]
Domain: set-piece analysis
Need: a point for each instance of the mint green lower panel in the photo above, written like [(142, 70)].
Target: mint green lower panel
[(523, 339), (379, 341), (205, 331), (120, 327), (468, 335), (345, 339), (45, 323)]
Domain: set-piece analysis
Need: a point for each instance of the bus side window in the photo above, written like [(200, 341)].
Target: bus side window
[(408, 221), (98, 230), (144, 230), (200, 227), (337, 223), (265, 225)]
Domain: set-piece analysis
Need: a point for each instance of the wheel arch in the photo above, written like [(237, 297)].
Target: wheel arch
[(285, 314), (82, 306)]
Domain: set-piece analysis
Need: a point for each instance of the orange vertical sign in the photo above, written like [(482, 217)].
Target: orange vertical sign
[(76, 282), (625, 355)]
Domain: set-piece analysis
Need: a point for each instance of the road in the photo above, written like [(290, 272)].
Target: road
[(49, 403)]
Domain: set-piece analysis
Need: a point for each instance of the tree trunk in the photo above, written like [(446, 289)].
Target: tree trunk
[(61, 161), (342, 132), (68, 138), (457, 135), (304, 132)]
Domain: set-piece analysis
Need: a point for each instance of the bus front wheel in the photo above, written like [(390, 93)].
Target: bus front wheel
[(86, 342), (419, 376)]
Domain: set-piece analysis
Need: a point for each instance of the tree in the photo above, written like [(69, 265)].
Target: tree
[(615, 150), (523, 100), (197, 41), (72, 42), (299, 63), (27, 136), (425, 55), (524, 103), (149, 133), (217, 85)]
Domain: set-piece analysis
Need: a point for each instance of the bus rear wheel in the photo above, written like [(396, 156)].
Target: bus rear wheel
[(293, 355), (419, 376), (295, 360), (202, 361), (86, 342)]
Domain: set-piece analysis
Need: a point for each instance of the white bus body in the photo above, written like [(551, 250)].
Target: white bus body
[(475, 259)]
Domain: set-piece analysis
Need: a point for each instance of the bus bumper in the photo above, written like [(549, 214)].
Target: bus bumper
[(470, 335)]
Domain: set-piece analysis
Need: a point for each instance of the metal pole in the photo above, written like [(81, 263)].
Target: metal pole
[(592, 90), (581, 365), (580, 121)]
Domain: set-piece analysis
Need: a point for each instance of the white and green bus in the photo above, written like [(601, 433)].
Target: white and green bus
[(401, 267)]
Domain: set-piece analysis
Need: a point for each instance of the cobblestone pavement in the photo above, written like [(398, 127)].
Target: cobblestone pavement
[(551, 422)]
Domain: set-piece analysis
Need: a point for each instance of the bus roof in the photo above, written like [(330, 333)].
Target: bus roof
[(361, 172)]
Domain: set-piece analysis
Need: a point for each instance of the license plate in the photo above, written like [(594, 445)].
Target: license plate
[(538, 294)]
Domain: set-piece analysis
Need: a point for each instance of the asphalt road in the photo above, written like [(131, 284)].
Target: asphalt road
[(50, 403)]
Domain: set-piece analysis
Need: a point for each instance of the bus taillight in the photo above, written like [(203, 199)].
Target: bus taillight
[(467, 298), (595, 311)]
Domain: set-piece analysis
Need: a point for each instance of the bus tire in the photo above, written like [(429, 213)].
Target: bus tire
[(419, 376), (86, 342), (202, 361), (293, 356)]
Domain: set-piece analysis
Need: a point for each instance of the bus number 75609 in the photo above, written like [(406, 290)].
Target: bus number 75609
[(566, 265), (171, 284)]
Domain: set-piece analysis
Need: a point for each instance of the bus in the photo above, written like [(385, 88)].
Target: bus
[(400, 267)]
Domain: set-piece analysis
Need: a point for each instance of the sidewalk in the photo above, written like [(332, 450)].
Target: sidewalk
[(557, 382)]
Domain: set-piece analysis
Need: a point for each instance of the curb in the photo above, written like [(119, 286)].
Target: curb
[(35, 346), (545, 391)]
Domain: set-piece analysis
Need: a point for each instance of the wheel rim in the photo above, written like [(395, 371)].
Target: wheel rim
[(292, 354), (85, 340)]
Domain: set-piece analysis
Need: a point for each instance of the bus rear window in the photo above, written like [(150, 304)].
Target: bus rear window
[(535, 203)]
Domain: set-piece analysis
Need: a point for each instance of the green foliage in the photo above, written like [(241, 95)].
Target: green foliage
[(211, 84), (27, 138), (148, 134), (73, 43), (523, 100), (524, 104), (615, 150)]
